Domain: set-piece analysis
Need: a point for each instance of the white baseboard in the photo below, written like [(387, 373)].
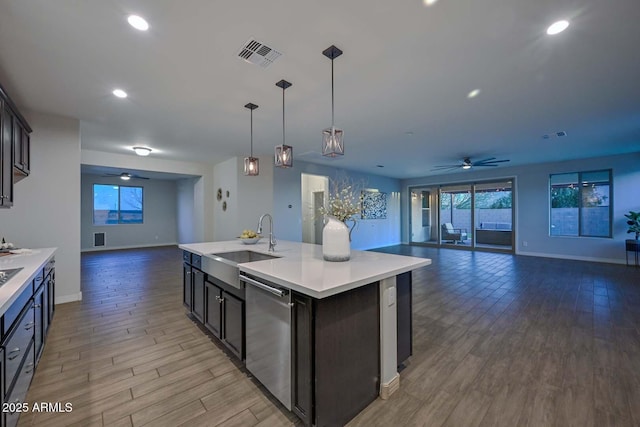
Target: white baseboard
[(61, 299), (114, 248), (572, 257)]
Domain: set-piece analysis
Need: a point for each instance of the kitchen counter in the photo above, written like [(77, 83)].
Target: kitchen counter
[(31, 263), (300, 266)]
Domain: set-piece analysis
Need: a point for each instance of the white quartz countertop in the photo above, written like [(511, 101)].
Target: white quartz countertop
[(300, 266), (31, 263)]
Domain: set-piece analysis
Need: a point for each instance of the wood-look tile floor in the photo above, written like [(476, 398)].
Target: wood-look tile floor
[(127, 355), (498, 340)]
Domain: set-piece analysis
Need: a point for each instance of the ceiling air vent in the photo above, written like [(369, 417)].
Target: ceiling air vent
[(258, 53)]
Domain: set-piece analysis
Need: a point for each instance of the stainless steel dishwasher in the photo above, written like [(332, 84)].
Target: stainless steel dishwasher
[(268, 336)]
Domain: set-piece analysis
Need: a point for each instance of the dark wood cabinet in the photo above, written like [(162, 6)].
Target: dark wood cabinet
[(225, 317), (213, 314), (15, 145), (404, 325), (197, 301), (21, 154), (6, 156), (336, 355), (40, 313), (187, 286), (233, 324)]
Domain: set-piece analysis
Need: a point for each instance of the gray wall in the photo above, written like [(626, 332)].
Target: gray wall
[(45, 212), (287, 191), (532, 206), (185, 210), (160, 225)]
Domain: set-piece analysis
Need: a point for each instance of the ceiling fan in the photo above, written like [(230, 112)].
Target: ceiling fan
[(126, 176), (468, 164)]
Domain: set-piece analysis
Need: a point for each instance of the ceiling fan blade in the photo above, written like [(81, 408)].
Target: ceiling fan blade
[(485, 165), (446, 166), (139, 177), (488, 159), (482, 163)]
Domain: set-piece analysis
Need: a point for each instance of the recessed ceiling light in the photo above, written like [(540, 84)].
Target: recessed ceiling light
[(473, 93), (409, 133), (138, 22), (119, 93), (142, 151), (429, 2), (380, 166), (557, 27)]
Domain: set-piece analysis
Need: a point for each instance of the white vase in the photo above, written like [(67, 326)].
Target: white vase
[(335, 240)]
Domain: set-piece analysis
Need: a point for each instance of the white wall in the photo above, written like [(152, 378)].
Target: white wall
[(46, 212), (287, 205), (532, 206), (185, 210), (160, 223), (249, 197), (310, 185), (203, 206)]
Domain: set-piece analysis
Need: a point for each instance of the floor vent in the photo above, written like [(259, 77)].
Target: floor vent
[(99, 239), (258, 53)]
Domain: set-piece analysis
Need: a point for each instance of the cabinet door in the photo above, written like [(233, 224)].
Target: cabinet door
[(6, 158), (26, 151), (187, 286), (197, 307), (233, 324), (302, 336), (40, 313), (213, 309), (51, 297)]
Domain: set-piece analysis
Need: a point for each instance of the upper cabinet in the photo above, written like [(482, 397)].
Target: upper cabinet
[(14, 148)]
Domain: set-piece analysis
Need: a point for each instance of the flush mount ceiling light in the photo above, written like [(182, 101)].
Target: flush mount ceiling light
[(125, 176), (473, 93), (119, 93), (138, 22), (284, 153), (557, 27), (332, 138), (251, 164), (429, 2), (142, 151)]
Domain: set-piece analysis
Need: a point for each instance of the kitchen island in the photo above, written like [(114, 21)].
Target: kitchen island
[(348, 329)]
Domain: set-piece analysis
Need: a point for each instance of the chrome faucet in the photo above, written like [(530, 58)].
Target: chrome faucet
[(272, 238)]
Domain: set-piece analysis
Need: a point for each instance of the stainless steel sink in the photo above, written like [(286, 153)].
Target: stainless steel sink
[(244, 256), (224, 265)]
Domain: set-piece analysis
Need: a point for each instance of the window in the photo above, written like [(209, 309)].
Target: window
[(116, 204), (581, 204)]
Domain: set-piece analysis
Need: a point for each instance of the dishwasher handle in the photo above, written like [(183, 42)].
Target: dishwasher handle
[(276, 291)]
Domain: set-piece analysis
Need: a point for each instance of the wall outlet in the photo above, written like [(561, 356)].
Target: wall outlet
[(525, 243), (391, 297)]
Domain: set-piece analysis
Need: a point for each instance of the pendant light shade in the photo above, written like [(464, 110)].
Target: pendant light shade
[(283, 153), (332, 138), (251, 164)]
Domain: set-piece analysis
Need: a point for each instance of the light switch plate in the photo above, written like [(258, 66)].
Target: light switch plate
[(391, 297)]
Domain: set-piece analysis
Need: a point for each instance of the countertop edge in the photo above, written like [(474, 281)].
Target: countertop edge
[(335, 290), (20, 281)]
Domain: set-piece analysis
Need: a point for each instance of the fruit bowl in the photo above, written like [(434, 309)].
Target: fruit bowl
[(250, 240)]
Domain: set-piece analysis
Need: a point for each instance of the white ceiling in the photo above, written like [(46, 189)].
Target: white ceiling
[(406, 68)]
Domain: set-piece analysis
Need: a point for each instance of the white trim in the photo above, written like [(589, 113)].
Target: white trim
[(572, 257), (112, 248), (68, 298)]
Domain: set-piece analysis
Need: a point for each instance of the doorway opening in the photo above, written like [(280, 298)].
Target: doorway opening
[(315, 195)]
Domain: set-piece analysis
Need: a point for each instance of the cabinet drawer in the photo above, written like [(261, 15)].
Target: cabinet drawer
[(196, 261), (12, 314), (186, 257), (16, 346), (19, 392), (49, 267)]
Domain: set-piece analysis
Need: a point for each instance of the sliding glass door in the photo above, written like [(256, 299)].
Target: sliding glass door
[(470, 215), (493, 210), (456, 215)]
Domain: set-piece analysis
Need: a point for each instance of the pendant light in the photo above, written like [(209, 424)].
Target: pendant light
[(332, 138), (251, 164), (284, 153)]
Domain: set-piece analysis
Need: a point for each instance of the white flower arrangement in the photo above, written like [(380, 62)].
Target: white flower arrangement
[(345, 200)]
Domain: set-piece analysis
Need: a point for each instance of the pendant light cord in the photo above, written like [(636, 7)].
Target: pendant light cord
[(251, 133), (283, 115), (332, 115)]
